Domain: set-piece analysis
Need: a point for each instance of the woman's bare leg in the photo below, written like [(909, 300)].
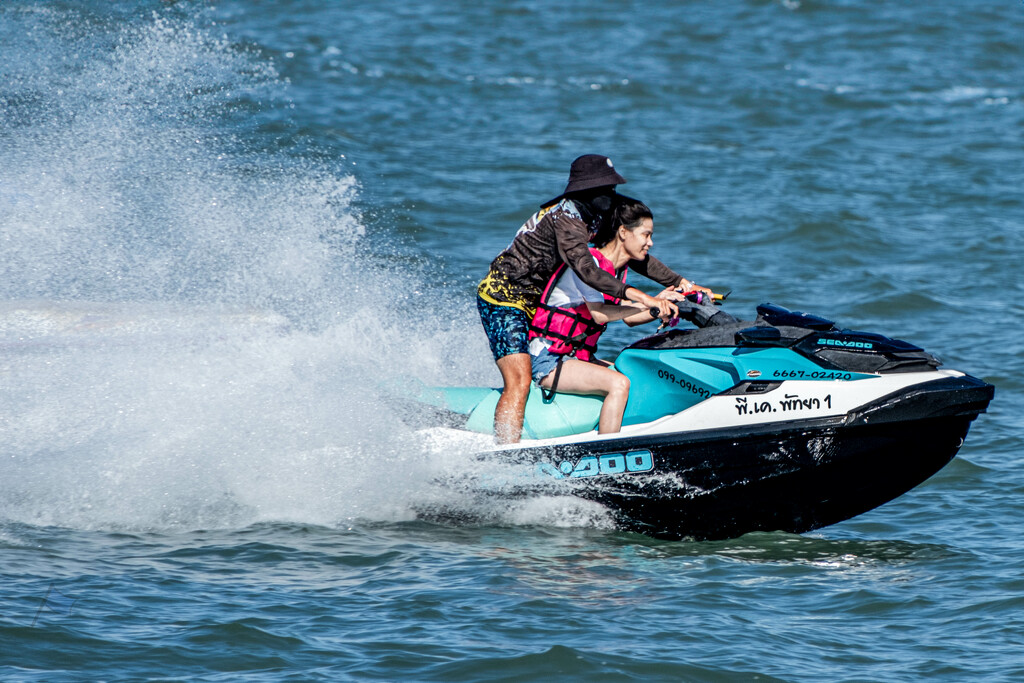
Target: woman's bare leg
[(589, 379)]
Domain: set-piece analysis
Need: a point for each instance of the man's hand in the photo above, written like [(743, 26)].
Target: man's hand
[(688, 286)]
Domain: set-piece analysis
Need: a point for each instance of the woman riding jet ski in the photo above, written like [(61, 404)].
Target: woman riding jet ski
[(571, 317)]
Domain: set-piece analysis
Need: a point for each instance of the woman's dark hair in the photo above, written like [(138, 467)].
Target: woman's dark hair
[(629, 213)]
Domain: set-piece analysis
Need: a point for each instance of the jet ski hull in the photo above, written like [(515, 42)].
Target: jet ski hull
[(791, 476), (784, 423)]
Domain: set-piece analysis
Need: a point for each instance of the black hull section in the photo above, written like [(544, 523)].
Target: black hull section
[(788, 477), (795, 482)]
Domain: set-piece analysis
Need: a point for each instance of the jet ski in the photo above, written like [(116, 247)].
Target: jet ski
[(787, 422)]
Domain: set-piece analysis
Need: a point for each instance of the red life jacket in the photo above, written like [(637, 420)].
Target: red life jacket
[(572, 330)]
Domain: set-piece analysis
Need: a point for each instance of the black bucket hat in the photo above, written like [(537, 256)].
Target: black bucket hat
[(587, 172)]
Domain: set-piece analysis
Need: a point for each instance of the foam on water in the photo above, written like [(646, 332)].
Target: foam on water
[(193, 330)]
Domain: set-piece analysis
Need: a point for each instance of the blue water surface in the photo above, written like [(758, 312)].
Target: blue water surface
[(231, 232)]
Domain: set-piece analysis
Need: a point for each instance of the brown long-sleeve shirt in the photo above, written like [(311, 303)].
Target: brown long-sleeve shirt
[(555, 234)]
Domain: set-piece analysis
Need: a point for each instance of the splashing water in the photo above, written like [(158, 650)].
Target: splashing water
[(189, 333), (121, 187)]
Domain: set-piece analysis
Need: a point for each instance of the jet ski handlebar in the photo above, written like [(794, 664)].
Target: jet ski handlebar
[(697, 308), (697, 297)]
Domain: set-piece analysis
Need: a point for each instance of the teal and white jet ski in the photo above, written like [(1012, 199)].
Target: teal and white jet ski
[(783, 423)]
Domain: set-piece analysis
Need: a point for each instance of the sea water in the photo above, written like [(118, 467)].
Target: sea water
[(232, 233)]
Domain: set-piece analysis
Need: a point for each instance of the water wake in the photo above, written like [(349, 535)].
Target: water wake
[(193, 333)]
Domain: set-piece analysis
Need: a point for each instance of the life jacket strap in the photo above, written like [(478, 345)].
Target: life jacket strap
[(548, 395), (577, 343)]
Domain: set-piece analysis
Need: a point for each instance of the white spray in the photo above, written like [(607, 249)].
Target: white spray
[(189, 337)]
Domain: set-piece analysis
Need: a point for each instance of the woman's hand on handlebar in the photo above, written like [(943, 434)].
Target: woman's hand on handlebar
[(672, 294), (666, 310)]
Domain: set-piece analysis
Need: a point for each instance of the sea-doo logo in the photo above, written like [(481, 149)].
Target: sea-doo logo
[(846, 344), (592, 466)]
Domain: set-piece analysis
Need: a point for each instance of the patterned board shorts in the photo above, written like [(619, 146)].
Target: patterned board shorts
[(507, 328)]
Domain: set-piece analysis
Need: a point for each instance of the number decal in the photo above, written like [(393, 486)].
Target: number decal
[(684, 383), (817, 374)]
